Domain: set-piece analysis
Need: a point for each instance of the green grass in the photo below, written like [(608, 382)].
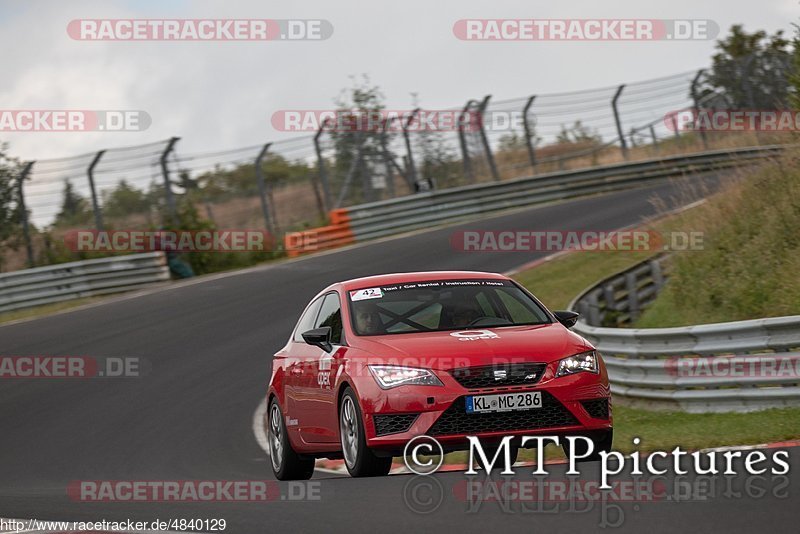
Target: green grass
[(667, 430), (47, 309), (749, 266), (558, 281), (663, 431)]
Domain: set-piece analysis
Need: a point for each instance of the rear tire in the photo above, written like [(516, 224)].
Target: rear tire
[(358, 458), (286, 463), (602, 443)]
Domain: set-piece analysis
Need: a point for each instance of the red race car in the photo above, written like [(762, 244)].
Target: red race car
[(376, 361)]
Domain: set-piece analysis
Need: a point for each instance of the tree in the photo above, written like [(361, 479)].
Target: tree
[(356, 128), (794, 75), (578, 134), (749, 70), (124, 200), (9, 205), (513, 142), (240, 180), (74, 208)]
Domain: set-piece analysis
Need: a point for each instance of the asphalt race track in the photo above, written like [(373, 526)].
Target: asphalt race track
[(190, 418)]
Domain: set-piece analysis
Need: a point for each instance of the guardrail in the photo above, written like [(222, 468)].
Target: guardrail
[(389, 217), (87, 278), (734, 366), (620, 299)]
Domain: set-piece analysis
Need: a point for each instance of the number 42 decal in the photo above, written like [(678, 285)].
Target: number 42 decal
[(364, 294)]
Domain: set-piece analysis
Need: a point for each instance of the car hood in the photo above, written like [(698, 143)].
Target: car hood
[(467, 348)]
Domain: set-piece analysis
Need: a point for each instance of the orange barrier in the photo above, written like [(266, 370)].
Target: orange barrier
[(337, 234)]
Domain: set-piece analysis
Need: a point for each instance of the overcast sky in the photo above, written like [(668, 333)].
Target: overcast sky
[(219, 95)]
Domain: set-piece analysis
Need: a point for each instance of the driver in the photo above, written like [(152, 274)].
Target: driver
[(464, 315), (368, 319)]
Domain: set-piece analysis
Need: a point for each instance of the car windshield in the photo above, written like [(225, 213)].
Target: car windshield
[(442, 305)]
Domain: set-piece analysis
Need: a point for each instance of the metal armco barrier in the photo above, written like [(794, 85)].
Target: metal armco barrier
[(67, 281), (395, 216), (735, 366), (620, 299)]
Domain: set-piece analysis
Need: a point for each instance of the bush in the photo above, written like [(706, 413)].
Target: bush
[(750, 264)]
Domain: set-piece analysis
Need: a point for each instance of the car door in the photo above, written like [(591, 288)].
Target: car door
[(317, 400), (296, 354)]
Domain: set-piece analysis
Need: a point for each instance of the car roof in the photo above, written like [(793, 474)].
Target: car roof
[(424, 276)]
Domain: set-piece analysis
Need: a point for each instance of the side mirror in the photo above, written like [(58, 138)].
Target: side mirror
[(319, 337), (567, 318)]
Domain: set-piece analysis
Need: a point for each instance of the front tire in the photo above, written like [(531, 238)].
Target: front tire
[(358, 458), (286, 463)]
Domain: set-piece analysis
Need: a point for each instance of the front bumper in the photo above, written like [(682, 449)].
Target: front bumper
[(576, 404)]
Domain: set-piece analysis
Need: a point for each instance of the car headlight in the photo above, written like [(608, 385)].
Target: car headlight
[(585, 361), (390, 376)]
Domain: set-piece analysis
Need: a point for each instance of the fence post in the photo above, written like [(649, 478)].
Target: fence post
[(412, 169), (657, 274), (387, 159), (528, 133), (23, 211), (354, 166), (594, 319), (675, 127), (262, 190), (173, 212), (485, 140), (748, 91), (696, 102), (366, 181), (633, 296), (465, 159), (98, 215), (323, 173), (655, 139), (618, 122)]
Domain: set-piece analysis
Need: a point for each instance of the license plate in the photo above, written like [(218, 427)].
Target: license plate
[(504, 402)]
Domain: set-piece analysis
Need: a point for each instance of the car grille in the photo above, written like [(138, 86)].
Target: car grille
[(597, 408), (493, 376), (455, 420), (393, 424)]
